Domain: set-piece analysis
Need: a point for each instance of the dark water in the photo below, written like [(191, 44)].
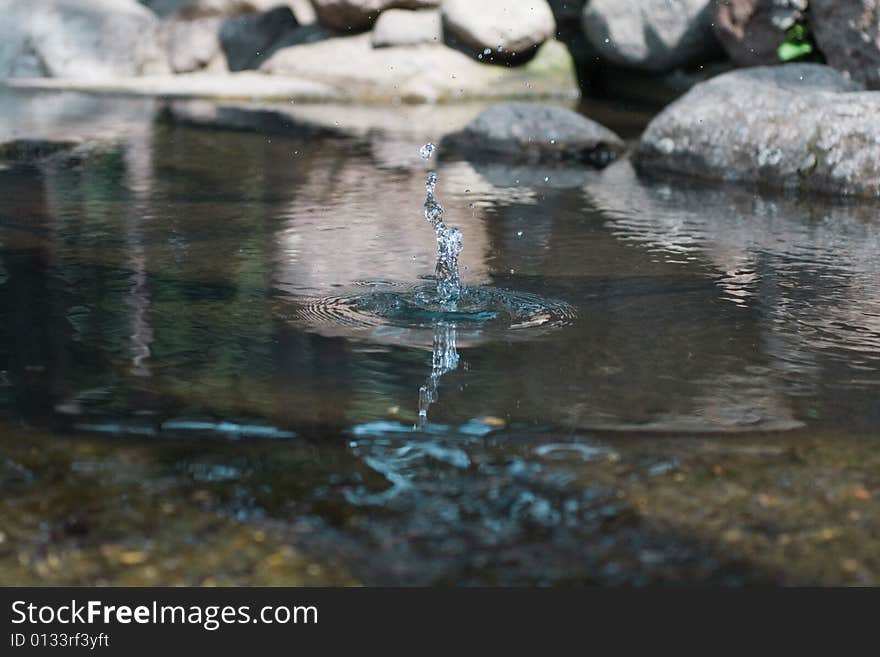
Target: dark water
[(176, 290)]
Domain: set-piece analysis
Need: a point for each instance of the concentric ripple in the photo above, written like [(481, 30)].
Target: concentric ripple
[(382, 308)]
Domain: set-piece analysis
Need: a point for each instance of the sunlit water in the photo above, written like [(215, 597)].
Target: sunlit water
[(249, 284)]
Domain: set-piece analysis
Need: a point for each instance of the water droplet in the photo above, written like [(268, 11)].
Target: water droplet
[(519, 233), (546, 178), (552, 141), (427, 150), (487, 51)]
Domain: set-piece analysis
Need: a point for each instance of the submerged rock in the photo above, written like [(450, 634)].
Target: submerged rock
[(530, 131), (249, 40), (359, 15), (654, 35), (402, 27), (79, 38), (800, 126), (510, 31), (848, 34), (423, 73), (751, 30)]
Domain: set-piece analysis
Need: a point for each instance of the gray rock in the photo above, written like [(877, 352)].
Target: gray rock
[(423, 73), (250, 39), (79, 39), (653, 35), (750, 31), (194, 45), (509, 31), (848, 34), (359, 15), (800, 126), (29, 150), (402, 27), (534, 132), (193, 9)]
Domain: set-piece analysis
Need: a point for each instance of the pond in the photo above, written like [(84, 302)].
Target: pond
[(187, 397)]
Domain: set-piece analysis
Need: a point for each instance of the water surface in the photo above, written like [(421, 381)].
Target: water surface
[(173, 291)]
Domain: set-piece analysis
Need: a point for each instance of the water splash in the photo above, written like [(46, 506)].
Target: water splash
[(445, 311), (449, 243), (444, 358)]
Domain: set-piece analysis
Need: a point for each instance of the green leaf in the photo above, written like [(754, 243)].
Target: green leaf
[(788, 51)]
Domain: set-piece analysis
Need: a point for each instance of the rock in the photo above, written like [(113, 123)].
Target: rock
[(799, 126), (163, 8), (750, 31), (848, 34), (79, 38), (423, 73), (653, 35), (533, 132), (29, 150), (359, 15), (250, 39), (194, 45), (401, 27), (246, 85), (511, 31), (193, 9)]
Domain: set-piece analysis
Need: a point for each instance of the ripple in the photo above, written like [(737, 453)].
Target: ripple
[(388, 309)]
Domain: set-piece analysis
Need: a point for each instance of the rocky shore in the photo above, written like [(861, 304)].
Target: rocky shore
[(775, 93)]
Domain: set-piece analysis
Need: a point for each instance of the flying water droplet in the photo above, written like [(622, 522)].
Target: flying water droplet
[(448, 242)]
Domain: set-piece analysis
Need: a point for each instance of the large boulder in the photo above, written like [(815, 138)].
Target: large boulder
[(800, 126), (250, 39), (402, 27), (79, 39), (751, 30), (848, 34), (498, 30), (539, 133), (653, 35), (423, 73), (359, 15)]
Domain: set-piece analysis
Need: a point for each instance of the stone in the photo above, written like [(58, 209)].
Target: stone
[(79, 39), (359, 15), (250, 39), (246, 85), (750, 31), (653, 35), (848, 34), (423, 73), (519, 131), (511, 32), (193, 9), (402, 27), (194, 45), (796, 127)]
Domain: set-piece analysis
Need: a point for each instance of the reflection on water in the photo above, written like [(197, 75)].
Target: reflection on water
[(186, 281), (181, 274), (444, 358)]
